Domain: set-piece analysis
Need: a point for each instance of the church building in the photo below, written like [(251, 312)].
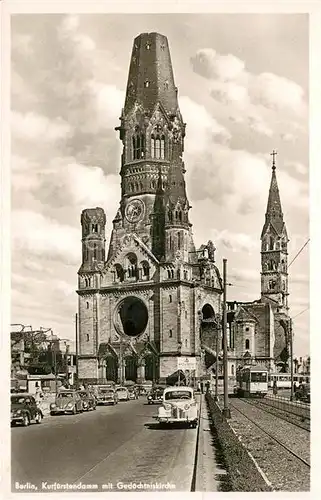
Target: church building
[(150, 306), (259, 331)]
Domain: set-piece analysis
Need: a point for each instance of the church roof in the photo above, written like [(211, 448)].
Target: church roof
[(274, 214), (151, 78)]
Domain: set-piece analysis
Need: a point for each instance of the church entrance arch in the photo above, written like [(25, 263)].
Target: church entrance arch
[(111, 368), (131, 368), (131, 316), (208, 312)]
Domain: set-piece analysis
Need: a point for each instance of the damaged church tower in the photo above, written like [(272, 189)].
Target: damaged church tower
[(151, 308)]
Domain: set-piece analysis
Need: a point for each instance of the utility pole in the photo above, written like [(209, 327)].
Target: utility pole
[(291, 357), (217, 365), (226, 410), (77, 353)]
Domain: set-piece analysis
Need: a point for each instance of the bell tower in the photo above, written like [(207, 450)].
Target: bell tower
[(274, 249), (153, 196)]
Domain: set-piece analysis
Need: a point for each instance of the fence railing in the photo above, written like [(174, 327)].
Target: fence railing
[(294, 407)]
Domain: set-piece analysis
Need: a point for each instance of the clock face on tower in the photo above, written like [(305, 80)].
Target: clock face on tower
[(134, 210)]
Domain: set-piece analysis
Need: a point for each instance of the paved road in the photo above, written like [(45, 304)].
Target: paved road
[(111, 445)]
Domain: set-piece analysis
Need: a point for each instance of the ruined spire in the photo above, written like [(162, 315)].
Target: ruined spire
[(151, 78)]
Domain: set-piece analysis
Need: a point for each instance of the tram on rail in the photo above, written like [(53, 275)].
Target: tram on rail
[(252, 381), (283, 380)]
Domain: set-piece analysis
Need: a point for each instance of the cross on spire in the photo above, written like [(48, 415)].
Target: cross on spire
[(274, 153)]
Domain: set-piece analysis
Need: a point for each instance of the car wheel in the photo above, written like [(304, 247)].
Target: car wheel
[(38, 418), (26, 420)]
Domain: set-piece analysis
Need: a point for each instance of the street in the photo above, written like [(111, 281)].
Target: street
[(112, 445)]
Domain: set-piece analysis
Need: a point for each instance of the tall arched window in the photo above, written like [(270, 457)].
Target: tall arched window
[(138, 146), (179, 241), (247, 344), (157, 146), (271, 243)]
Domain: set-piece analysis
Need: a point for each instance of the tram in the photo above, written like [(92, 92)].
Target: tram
[(252, 381), (283, 380)]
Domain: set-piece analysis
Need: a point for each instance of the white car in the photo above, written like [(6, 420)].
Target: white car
[(178, 405)]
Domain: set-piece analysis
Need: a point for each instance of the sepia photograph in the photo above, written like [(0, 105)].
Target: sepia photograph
[(159, 336)]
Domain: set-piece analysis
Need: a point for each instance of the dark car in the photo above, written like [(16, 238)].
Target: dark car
[(66, 401), (24, 409), (88, 400), (132, 391), (303, 393), (155, 395)]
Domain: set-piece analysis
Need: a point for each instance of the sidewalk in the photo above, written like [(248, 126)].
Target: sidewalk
[(211, 476)]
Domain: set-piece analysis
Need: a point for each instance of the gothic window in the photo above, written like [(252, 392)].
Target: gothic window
[(170, 242), (95, 251), (168, 274), (172, 273), (232, 369), (170, 333), (271, 243), (87, 305), (170, 298), (247, 344), (94, 228), (119, 272), (138, 146), (179, 241), (141, 186), (180, 216), (145, 266), (185, 275), (87, 337), (158, 147), (272, 284), (131, 265)]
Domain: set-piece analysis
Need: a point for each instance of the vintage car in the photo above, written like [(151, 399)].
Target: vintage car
[(132, 392), (155, 395), (106, 395), (122, 393), (24, 409), (88, 400), (303, 393), (144, 389), (178, 405), (66, 402)]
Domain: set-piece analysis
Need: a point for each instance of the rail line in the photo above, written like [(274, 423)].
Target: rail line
[(271, 436), (264, 407)]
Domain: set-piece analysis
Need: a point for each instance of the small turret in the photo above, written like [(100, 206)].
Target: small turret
[(93, 223)]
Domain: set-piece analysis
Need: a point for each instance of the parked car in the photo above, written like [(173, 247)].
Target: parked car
[(178, 405), (24, 409), (303, 393), (106, 395), (144, 389), (66, 402), (155, 395), (88, 400), (122, 393), (132, 393)]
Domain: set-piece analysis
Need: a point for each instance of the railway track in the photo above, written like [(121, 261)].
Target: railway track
[(288, 416), (267, 433)]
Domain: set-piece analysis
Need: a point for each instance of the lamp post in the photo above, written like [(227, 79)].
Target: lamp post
[(291, 356), (217, 366), (226, 410), (77, 351)]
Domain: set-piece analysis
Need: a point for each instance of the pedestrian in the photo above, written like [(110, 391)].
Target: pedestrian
[(294, 387), (202, 387), (275, 388)]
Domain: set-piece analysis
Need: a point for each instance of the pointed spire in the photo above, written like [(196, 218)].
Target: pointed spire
[(274, 212)]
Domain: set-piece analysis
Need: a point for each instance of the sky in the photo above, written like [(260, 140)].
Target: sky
[(243, 91)]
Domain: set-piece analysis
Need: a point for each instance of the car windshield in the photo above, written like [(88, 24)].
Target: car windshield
[(178, 395), (121, 389), (106, 391), (65, 395), (17, 399)]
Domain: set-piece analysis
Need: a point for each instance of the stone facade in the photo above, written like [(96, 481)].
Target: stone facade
[(145, 307)]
